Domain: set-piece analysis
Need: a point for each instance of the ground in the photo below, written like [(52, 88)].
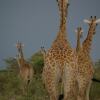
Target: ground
[(10, 88)]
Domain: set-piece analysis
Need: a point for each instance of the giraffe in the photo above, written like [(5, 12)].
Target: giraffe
[(26, 70), (85, 64), (60, 62)]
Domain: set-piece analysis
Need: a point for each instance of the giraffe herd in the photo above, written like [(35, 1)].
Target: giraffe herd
[(62, 63)]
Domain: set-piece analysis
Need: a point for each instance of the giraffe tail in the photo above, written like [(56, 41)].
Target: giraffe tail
[(61, 96), (95, 80)]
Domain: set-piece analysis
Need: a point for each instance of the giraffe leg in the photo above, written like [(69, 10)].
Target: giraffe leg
[(70, 85), (53, 95), (88, 90), (51, 83), (23, 88), (52, 89), (70, 91), (84, 88), (81, 95)]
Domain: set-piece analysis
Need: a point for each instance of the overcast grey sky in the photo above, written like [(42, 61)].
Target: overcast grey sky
[(36, 22)]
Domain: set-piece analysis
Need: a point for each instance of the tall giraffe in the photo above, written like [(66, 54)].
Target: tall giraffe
[(60, 62), (85, 63), (26, 70)]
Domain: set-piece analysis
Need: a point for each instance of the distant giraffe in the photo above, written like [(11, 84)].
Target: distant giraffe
[(85, 63), (60, 62), (26, 70)]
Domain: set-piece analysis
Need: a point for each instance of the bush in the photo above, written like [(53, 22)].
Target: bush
[(37, 62)]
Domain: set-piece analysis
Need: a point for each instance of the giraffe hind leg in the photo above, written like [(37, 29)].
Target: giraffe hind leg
[(70, 92), (51, 85), (70, 84), (53, 92), (88, 90), (84, 89)]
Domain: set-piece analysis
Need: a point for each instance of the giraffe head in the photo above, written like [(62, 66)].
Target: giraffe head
[(19, 46), (79, 32), (93, 22), (43, 51)]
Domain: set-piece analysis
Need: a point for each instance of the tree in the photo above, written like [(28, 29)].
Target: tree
[(11, 64), (37, 61)]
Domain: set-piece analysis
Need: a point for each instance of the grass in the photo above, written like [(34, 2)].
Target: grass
[(10, 88), (95, 91)]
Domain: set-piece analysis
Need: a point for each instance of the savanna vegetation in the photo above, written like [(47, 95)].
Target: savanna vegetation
[(10, 83)]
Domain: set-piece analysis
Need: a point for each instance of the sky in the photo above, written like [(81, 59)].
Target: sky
[(36, 22)]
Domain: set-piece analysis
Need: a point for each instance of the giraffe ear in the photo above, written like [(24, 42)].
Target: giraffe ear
[(97, 21), (86, 21)]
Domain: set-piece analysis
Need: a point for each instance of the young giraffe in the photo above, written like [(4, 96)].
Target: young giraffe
[(85, 63), (60, 62), (26, 70)]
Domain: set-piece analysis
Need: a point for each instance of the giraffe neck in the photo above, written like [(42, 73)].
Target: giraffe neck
[(78, 43), (21, 58), (88, 41), (21, 62), (21, 53), (63, 9)]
